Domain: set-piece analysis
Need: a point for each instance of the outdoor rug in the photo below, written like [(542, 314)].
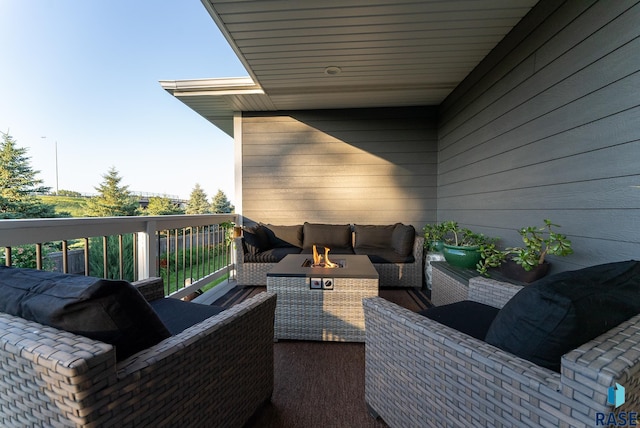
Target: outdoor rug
[(320, 384), (411, 298)]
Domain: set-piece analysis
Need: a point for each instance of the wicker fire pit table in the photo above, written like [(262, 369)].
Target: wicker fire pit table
[(317, 303)]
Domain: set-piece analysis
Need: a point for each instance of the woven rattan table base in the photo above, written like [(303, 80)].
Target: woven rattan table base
[(303, 313)]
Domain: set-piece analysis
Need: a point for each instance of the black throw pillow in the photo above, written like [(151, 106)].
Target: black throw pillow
[(255, 240), (556, 314), (106, 310)]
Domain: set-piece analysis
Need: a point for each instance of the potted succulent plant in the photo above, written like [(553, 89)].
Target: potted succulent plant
[(434, 236), (526, 263), (462, 246)]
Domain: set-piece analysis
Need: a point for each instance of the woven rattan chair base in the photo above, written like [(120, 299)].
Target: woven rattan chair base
[(404, 275), (420, 373), (215, 373)]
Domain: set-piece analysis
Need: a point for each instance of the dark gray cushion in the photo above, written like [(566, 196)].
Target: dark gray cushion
[(284, 236), (387, 255), (255, 240), (334, 251), (337, 237), (468, 317), (273, 255), (402, 239), (106, 310), (556, 314), (178, 315), (370, 236)]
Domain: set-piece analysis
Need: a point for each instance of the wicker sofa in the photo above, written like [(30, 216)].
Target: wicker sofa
[(420, 372), (394, 250), (217, 372)]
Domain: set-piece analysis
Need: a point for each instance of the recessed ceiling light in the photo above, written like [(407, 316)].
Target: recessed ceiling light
[(332, 70)]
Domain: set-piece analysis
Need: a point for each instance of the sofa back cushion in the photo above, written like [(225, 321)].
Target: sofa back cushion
[(402, 239), (284, 236), (337, 237), (556, 314), (106, 310), (255, 240), (373, 237)]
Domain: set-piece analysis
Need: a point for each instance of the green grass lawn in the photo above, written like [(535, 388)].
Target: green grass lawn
[(174, 279), (73, 206)]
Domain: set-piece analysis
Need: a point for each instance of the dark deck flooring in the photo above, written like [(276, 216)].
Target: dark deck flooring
[(319, 384)]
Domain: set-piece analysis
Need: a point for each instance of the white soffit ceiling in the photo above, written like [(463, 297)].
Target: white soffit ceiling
[(347, 53)]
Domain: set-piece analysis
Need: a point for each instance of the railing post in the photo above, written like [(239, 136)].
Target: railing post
[(147, 252)]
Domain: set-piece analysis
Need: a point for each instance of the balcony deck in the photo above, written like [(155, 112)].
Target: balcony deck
[(318, 383)]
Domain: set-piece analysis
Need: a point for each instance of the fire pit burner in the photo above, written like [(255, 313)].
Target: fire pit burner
[(321, 261)]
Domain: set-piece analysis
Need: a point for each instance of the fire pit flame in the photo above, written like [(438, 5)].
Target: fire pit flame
[(322, 261)]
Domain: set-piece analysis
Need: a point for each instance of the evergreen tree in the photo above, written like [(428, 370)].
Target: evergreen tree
[(113, 199), (198, 202), (221, 204), (162, 206), (19, 185)]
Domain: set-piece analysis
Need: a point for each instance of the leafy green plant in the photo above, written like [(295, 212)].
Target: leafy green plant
[(538, 243), (433, 233), (24, 256), (96, 257)]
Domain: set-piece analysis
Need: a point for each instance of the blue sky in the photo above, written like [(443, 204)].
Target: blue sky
[(85, 75)]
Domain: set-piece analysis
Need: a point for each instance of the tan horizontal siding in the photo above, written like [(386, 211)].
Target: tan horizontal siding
[(373, 166)]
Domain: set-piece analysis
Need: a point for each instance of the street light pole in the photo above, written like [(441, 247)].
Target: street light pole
[(56, 149), (57, 189)]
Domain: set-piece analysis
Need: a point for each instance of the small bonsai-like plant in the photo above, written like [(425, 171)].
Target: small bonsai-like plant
[(538, 242), (463, 237)]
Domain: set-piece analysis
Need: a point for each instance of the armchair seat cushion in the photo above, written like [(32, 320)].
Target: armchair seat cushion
[(110, 311), (558, 313), (179, 315), (468, 317)]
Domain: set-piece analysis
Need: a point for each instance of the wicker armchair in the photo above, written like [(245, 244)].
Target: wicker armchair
[(217, 372), (422, 373)]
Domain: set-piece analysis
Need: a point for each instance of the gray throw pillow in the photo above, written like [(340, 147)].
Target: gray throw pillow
[(402, 239), (334, 236)]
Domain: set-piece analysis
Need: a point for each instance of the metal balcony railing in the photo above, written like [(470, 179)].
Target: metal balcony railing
[(188, 251)]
